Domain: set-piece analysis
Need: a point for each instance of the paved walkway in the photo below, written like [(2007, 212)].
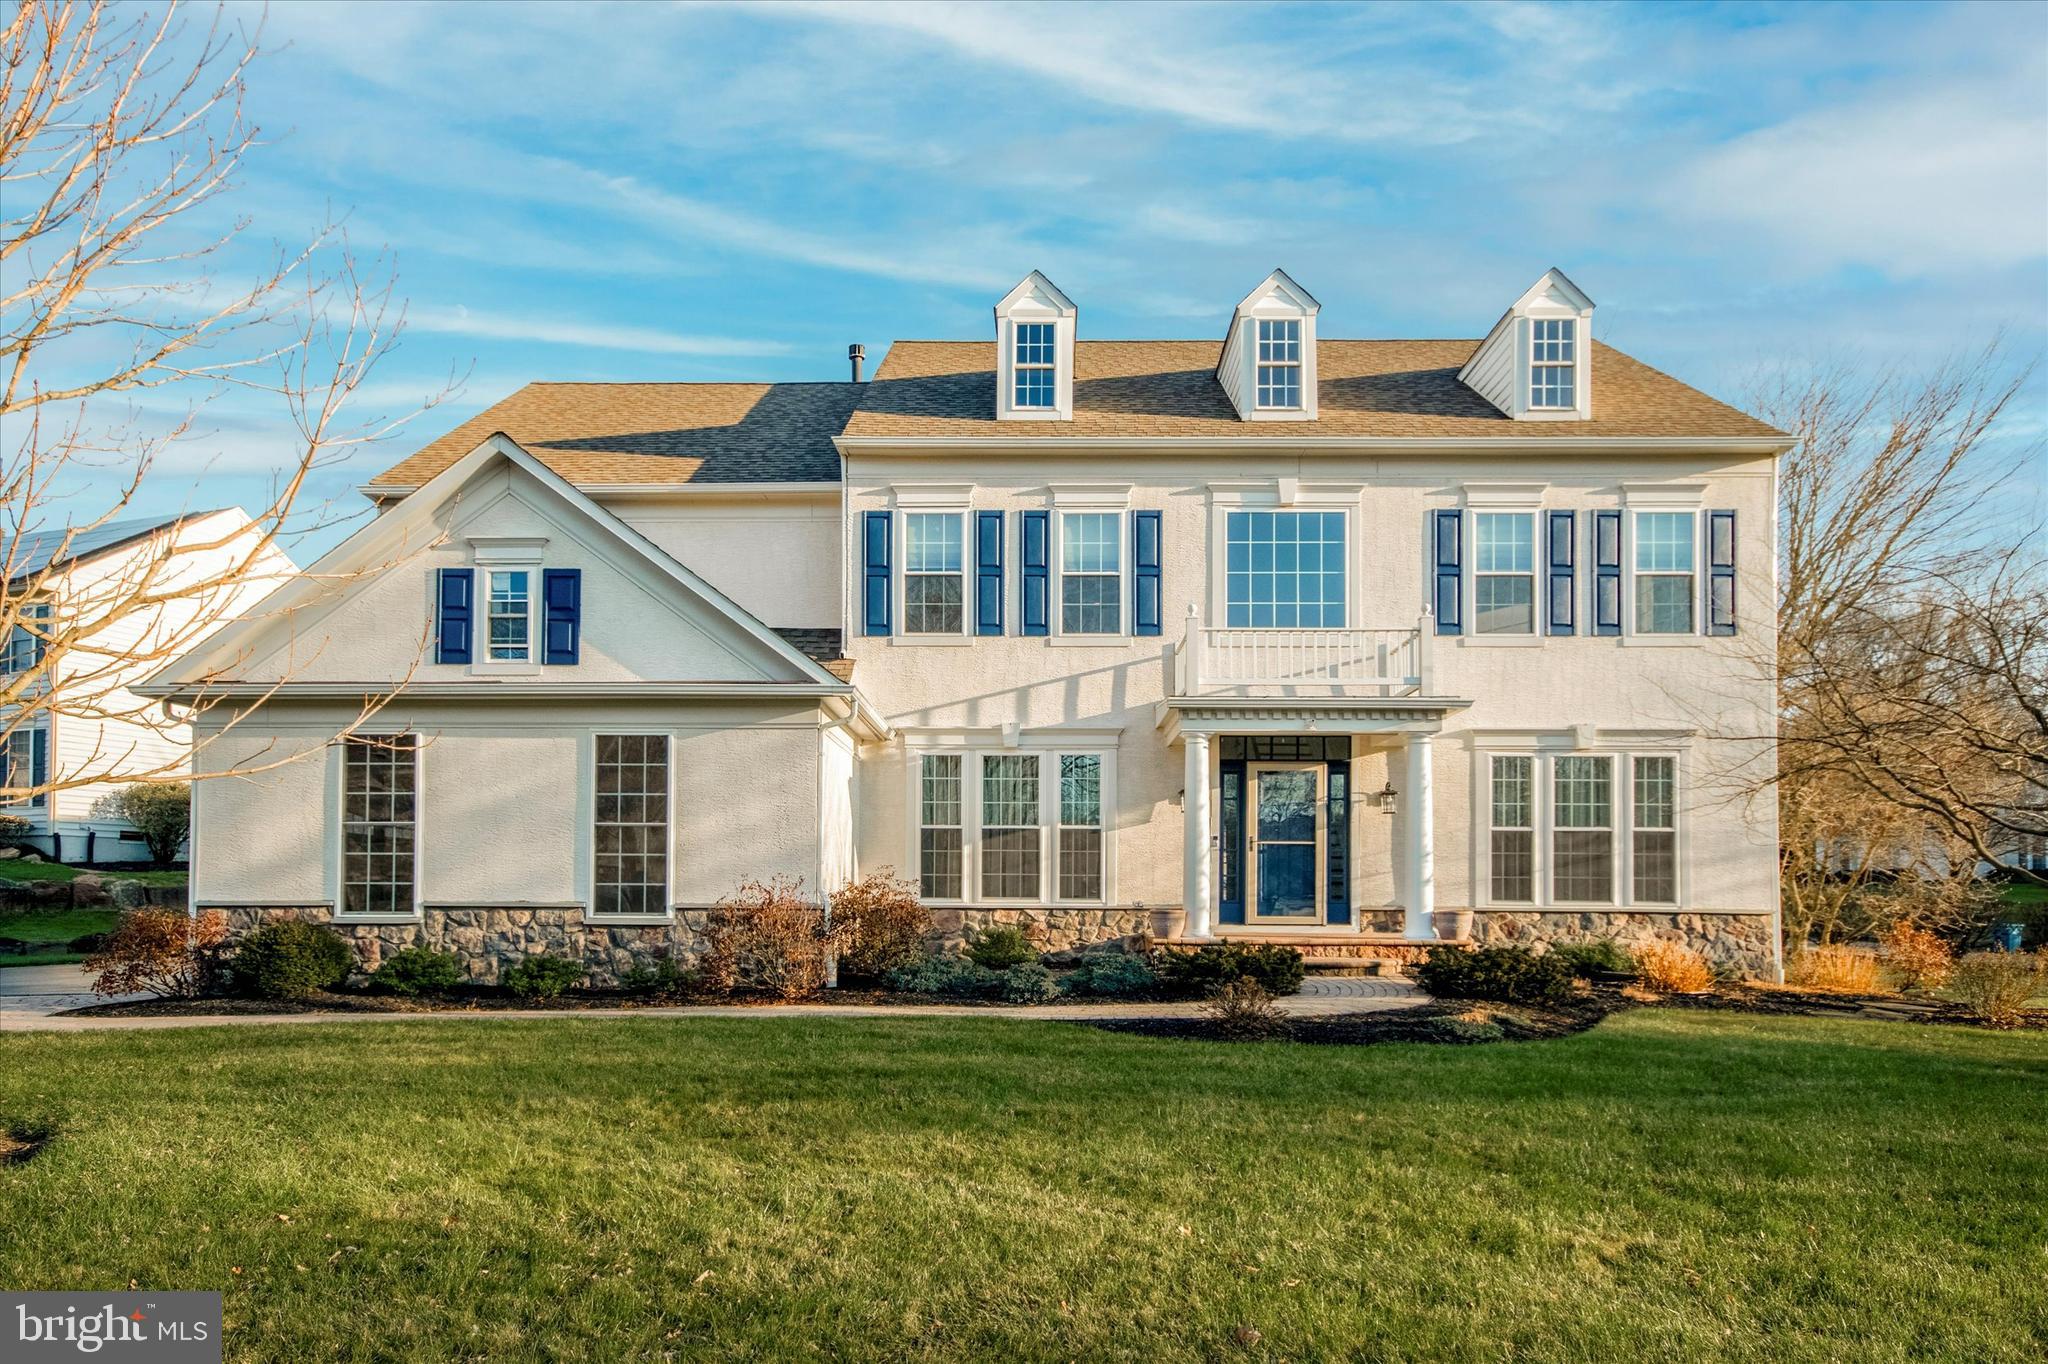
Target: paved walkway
[(31, 997)]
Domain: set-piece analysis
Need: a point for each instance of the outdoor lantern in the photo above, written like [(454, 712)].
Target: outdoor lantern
[(1388, 798)]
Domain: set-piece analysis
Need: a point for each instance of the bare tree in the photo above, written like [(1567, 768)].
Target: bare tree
[(122, 130)]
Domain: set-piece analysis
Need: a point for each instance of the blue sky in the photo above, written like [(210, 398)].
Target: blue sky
[(718, 192)]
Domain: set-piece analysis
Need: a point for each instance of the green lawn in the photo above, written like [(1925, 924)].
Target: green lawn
[(14, 869), (53, 928), (1669, 1186)]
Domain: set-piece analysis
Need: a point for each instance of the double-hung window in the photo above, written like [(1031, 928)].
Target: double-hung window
[(510, 619), (934, 585), (1654, 829), (1664, 572), (26, 641), (1033, 366), (1010, 817), (1091, 581), (940, 868), (378, 813), (1504, 577), (1280, 362), (1553, 362), (1284, 570), (1582, 834), (1581, 829), (631, 831), (25, 764), (1512, 844), (1080, 828)]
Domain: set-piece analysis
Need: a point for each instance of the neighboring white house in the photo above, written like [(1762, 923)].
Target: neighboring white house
[(1357, 645), (100, 728)]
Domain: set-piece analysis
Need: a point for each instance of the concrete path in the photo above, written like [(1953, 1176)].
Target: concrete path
[(32, 1005)]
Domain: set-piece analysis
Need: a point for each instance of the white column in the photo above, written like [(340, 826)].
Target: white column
[(1196, 879), (1421, 838)]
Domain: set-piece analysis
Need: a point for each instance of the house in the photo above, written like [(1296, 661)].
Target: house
[(1356, 645), (137, 591)]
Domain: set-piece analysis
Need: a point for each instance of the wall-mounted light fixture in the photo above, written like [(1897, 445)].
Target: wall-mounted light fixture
[(1388, 798)]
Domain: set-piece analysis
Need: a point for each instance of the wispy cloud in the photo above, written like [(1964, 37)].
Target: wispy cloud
[(557, 331)]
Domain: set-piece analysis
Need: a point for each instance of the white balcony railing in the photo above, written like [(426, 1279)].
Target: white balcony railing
[(1377, 662)]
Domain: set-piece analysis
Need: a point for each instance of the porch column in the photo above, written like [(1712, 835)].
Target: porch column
[(1421, 839), (1196, 878)]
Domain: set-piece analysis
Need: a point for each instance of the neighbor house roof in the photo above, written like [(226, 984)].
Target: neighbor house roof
[(41, 548), (657, 433), (1367, 388)]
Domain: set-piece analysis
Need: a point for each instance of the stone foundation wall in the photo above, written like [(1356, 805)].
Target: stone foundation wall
[(1052, 930), (1732, 942)]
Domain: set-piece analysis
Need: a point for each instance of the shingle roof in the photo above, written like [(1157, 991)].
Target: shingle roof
[(822, 646), (1366, 388), (658, 433), (40, 548)]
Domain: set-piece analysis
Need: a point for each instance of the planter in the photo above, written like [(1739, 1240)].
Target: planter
[(1452, 925), (1167, 924)]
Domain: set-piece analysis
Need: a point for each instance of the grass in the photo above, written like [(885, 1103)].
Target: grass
[(16, 870), (1670, 1186), (49, 930)]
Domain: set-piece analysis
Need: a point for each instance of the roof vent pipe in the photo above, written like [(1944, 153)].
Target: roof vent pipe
[(856, 353)]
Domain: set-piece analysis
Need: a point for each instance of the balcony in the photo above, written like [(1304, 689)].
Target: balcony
[(1347, 663)]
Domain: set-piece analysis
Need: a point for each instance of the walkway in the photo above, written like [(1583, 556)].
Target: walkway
[(32, 996)]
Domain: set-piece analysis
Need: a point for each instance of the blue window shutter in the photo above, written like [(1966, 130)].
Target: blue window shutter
[(1720, 611), (875, 588), (1563, 550), (1448, 534), (1337, 843), (988, 573), (453, 629), (1036, 555), (1606, 572), (1145, 573), (561, 591)]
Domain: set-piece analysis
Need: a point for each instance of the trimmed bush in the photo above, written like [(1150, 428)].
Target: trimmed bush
[(1674, 969), (1918, 959), (1029, 983), (1603, 956), (1110, 973), (880, 923), (1201, 973), (413, 971), (948, 976), (290, 959), (161, 811), (164, 951), (1995, 986), (1509, 975), (666, 979), (542, 977), (1001, 947), (1242, 1009)]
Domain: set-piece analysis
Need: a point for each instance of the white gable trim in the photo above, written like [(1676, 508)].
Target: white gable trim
[(1277, 296), (1036, 299)]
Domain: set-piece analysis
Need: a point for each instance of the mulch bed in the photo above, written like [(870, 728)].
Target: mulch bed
[(1784, 1001), (1456, 1023), (485, 1001)]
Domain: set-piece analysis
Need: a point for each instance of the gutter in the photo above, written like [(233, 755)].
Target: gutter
[(1285, 444), (484, 688), (382, 493)]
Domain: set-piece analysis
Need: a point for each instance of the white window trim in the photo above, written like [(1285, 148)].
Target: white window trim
[(338, 860), (1573, 364), (915, 764), (1058, 550), (1622, 751), (502, 554), (1283, 495), (1524, 499), (1063, 364), (1299, 364), (1018, 367), (1656, 497), (1049, 747), (901, 587), (587, 757)]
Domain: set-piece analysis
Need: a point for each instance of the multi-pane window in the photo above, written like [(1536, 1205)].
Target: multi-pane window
[(1512, 848), (1504, 580), (1655, 832), (1664, 573), (1034, 366), (1280, 362), (511, 614), (1091, 587), (934, 587), (24, 764), (1553, 359), (631, 834), (378, 804), (1009, 826), (1582, 833), (940, 868), (1080, 830), (26, 641), (1284, 570)]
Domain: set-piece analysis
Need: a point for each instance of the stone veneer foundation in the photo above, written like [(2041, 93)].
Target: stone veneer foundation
[(1053, 930), (1732, 942)]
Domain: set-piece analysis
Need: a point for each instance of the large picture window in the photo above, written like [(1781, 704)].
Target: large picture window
[(940, 868), (1504, 577), (1080, 829), (632, 825), (934, 586), (379, 816), (1010, 820), (1284, 570), (1512, 845), (1664, 573), (1582, 836), (1091, 581), (1655, 831)]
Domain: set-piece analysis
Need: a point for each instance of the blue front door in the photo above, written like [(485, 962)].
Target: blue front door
[(1286, 853)]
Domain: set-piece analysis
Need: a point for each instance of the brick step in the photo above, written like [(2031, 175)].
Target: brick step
[(1351, 966)]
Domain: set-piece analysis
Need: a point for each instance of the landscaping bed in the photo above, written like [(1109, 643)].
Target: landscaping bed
[(1457, 1023)]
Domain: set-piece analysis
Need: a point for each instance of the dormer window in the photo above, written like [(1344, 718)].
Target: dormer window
[(1280, 362), (1553, 362), (1036, 368), (1035, 353)]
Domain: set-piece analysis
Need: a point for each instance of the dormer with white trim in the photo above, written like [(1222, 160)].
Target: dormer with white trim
[(1035, 352), (1536, 363), (1269, 356)]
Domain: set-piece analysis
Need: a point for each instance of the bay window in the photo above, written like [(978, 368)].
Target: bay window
[(934, 584)]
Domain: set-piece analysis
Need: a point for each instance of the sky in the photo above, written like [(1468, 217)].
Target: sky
[(705, 192)]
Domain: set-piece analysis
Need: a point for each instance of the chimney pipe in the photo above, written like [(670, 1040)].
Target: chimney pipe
[(856, 353)]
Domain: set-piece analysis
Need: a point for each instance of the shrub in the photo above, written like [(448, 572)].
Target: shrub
[(1587, 959), (880, 923), (86, 942), (1918, 959), (14, 828), (1242, 1008), (1466, 1030), (164, 951), (1673, 969), (290, 959), (947, 975), (1109, 973), (1512, 975), (542, 977), (1197, 974), (1027, 983), (1995, 986), (414, 971), (161, 812), (1000, 947), (666, 979), (1850, 970), (766, 938)]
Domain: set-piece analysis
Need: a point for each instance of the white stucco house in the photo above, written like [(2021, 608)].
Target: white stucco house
[(121, 596), (1356, 645)]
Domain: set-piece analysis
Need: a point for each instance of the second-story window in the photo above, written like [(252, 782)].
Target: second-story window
[(1504, 576), (1664, 573), (1553, 362), (1284, 570), (511, 615), (1091, 584), (27, 640), (1034, 366), (1280, 362), (934, 590)]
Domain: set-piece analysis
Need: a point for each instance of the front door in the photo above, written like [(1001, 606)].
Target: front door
[(1286, 843)]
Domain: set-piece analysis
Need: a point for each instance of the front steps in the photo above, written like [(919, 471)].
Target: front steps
[(1336, 954)]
